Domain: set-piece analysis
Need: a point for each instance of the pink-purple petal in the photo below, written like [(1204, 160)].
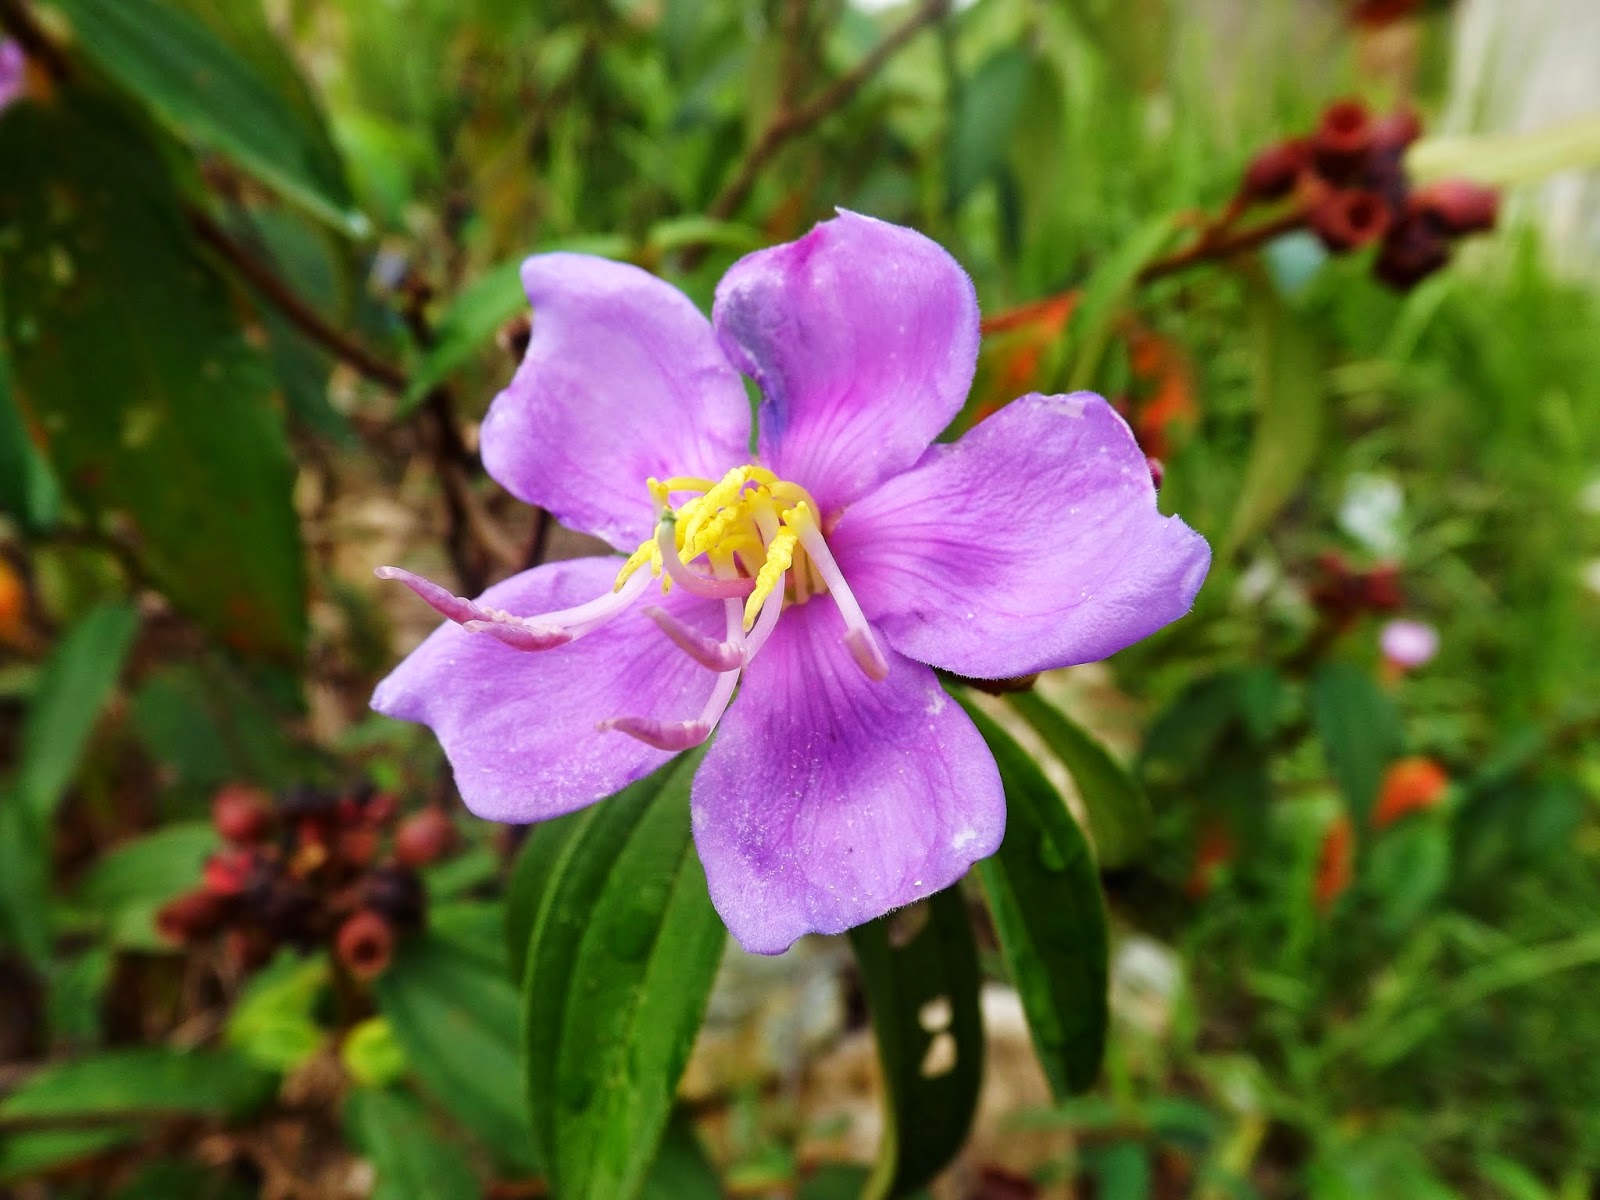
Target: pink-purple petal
[(863, 337), (1033, 542), (519, 728), (828, 799), (622, 380)]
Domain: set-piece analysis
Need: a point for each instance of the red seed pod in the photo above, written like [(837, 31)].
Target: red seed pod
[(424, 838), (1272, 173), (365, 944), (228, 872), (1344, 136), (1396, 130), (191, 915), (1414, 249), (1350, 218), (1458, 206), (241, 814), (356, 847)]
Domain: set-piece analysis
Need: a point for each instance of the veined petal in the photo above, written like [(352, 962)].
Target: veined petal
[(623, 380), (1033, 542), (828, 799), (520, 729), (863, 337)]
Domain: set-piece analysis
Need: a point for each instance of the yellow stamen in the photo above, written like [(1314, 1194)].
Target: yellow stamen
[(780, 554)]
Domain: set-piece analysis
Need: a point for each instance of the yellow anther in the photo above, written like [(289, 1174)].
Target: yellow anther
[(646, 553), (780, 554)]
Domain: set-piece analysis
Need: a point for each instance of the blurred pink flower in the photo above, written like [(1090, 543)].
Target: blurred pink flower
[(1409, 644), (13, 68)]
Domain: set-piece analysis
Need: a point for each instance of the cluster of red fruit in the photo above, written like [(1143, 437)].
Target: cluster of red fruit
[(1342, 593), (1349, 178), (313, 868)]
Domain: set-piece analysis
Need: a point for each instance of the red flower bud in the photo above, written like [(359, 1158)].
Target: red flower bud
[(191, 915), (1397, 130), (1413, 250), (424, 838), (1349, 218), (1342, 140), (1459, 206), (365, 944), (228, 872), (1272, 173), (241, 814)]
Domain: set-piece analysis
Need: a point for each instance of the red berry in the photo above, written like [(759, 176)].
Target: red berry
[(424, 838), (228, 872), (1459, 206), (1272, 173), (1349, 218), (1344, 136), (241, 814), (365, 944)]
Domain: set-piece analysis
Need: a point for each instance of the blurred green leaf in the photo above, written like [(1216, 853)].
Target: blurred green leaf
[(1044, 895), (373, 1055), (172, 1179), (1105, 294), (73, 688), (621, 956), (197, 84), (412, 1161), (1116, 804), (130, 883), (26, 1155), (681, 1170), (919, 969), (458, 1024), (28, 489), (142, 1080), (466, 329), (1508, 159), (77, 988), (124, 346), (987, 108), (1288, 384), (1359, 729), (273, 1022), (835, 1181)]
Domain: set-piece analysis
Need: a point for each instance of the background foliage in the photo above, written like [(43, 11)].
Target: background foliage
[(257, 286)]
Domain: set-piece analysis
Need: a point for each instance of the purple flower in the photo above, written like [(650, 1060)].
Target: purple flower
[(13, 71), (823, 577), (1409, 644)]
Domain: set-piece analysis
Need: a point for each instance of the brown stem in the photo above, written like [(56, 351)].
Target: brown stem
[(299, 313), (1210, 248), (789, 121)]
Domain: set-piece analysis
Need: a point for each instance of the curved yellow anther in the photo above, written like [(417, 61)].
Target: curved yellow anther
[(780, 554)]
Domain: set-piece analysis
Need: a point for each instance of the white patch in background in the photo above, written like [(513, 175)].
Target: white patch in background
[(1371, 513)]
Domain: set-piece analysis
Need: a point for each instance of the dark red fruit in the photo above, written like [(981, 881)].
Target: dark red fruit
[(424, 838)]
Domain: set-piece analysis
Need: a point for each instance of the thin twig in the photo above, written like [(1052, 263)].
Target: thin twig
[(788, 121), (1210, 248), (299, 313)]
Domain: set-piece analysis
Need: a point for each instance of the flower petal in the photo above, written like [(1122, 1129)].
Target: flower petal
[(622, 380), (827, 799), (863, 337), (1033, 542), (519, 728)]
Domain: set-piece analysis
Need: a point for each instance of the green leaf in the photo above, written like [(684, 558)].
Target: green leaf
[(986, 112), (621, 956), (411, 1160), (835, 1181), (273, 1024), (142, 1080), (28, 490), (174, 1179), (204, 90), (24, 1155), (919, 969), (1049, 916), (74, 687), (127, 886), (1288, 385), (25, 917), (681, 1170), (1359, 729), (373, 1055), (157, 410), (465, 328), (1116, 804), (1105, 294), (457, 1022)]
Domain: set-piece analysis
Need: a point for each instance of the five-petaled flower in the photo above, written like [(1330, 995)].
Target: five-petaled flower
[(822, 578)]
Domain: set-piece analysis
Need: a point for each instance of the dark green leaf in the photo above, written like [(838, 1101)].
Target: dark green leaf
[(835, 1181), (1116, 804), (681, 1170), (124, 347), (23, 1155), (1044, 894), (25, 918), (73, 688), (919, 969), (173, 1179), (458, 1024), (142, 1079), (411, 1160), (620, 960), (1360, 732), (986, 112), (202, 88), (28, 490), (1289, 401)]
